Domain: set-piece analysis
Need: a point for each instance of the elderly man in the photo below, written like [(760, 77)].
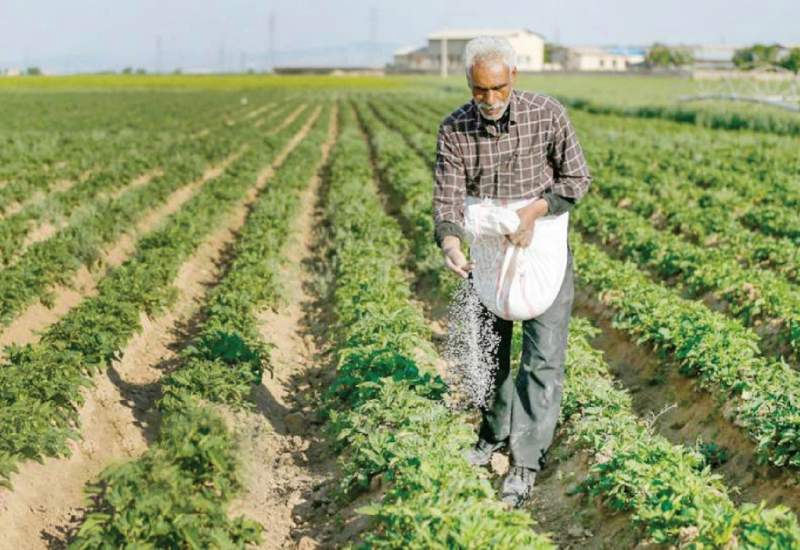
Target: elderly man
[(511, 144)]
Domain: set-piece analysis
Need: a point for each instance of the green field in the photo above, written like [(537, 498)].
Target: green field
[(222, 311)]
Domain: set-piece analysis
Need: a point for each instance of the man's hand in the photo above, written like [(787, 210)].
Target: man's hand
[(453, 257), (528, 215)]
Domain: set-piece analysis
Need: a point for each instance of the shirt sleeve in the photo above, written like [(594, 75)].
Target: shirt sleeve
[(449, 187), (556, 204), (570, 172)]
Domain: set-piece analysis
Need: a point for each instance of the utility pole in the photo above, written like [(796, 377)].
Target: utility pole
[(159, 55), (272, 31), (443, 58), (373, 34)]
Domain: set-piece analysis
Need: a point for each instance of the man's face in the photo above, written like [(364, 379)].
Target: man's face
[(491, 83)]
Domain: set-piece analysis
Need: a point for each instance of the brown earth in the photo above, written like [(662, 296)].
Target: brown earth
[(288, 467), (117, 419)]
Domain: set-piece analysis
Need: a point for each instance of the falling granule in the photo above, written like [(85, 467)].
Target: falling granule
[(470, 350)]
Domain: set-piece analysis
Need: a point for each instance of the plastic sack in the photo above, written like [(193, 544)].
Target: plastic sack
[(514, 283)]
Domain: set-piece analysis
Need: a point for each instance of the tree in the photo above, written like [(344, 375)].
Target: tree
[(792, 61), (33, 71), (757, 55), (661, 55)]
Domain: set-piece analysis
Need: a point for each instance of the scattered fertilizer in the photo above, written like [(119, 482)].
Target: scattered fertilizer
[(470, 350)]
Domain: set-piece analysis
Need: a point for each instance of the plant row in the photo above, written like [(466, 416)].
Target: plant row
[(177, 494), (53, 261), (41, 384)]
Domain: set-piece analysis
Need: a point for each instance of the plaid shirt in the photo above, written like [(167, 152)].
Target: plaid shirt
[(532, 151)]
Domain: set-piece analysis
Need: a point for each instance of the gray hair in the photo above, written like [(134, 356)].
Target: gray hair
[(489, 48)]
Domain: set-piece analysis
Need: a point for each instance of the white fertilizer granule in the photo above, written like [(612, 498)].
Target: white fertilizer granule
[(470, 350)]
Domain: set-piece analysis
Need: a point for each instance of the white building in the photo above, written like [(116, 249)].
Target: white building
[(446, 47), (590, 59)]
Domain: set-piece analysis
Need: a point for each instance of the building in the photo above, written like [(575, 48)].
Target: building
[(590, 59), (445, 50), (713, 56)]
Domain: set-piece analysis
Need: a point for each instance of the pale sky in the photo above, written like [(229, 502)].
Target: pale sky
[(110, 34)]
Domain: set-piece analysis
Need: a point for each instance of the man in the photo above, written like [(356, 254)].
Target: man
[(510, 144)]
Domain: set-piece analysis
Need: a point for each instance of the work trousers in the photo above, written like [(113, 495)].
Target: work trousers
[(525, 411)]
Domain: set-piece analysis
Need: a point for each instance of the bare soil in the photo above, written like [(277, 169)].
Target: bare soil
[(288, 466)]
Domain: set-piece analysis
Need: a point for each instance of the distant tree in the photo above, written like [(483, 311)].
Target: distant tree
[(177, 70), (661, 55), (549, 49), (33, 71), (127, 70), (757, 55), (792, 61), (141, 70)]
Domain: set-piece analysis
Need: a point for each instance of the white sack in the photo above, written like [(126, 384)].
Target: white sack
[(512, 282)]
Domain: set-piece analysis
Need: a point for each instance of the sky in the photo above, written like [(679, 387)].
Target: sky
[(87, 35)]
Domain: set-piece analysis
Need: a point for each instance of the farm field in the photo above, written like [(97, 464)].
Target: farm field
[(223, 317)]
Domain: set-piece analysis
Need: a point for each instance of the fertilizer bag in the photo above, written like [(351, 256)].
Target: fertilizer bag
[(514, 283)]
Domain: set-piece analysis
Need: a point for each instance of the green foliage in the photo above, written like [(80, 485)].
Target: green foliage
[(757, 55), (41, 384), (661, 55), (172, 497)]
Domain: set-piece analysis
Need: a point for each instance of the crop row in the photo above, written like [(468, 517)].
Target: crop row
[(136, 160), (176, 495), (716, 118), (667, 487), (753, 295), (760, 395), (33, 161), (53, 261), (40, 384), (385, 405)]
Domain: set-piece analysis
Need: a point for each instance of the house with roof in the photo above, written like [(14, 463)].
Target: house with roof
[(445, 50)]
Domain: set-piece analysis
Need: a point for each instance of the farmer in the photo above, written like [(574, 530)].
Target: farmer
[(511, 144)]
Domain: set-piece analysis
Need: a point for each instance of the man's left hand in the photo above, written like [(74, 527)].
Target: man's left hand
[(528, 215)]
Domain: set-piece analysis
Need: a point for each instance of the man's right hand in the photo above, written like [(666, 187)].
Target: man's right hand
[(454, 259)]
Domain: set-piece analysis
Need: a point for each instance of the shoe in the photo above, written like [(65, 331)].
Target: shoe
[(481, 453), (518, 486)]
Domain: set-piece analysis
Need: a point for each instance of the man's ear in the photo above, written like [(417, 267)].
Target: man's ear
[(513, 75)]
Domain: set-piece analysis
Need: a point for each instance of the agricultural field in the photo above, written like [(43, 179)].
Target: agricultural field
[(223, 319)]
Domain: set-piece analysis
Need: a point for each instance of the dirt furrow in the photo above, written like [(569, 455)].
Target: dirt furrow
[(47, 229), (285, 459), (117, 420)]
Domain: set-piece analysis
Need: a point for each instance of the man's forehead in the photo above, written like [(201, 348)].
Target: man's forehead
[(490, 73)]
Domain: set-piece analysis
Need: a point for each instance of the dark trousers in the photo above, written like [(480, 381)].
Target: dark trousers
[(525, 411)]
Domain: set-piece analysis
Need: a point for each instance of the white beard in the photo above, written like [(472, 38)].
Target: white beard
[(500, 113)]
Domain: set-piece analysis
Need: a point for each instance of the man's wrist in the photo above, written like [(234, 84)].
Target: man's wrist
[(450, 242)]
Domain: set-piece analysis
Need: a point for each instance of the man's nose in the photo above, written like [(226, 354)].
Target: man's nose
[(492, 97)]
